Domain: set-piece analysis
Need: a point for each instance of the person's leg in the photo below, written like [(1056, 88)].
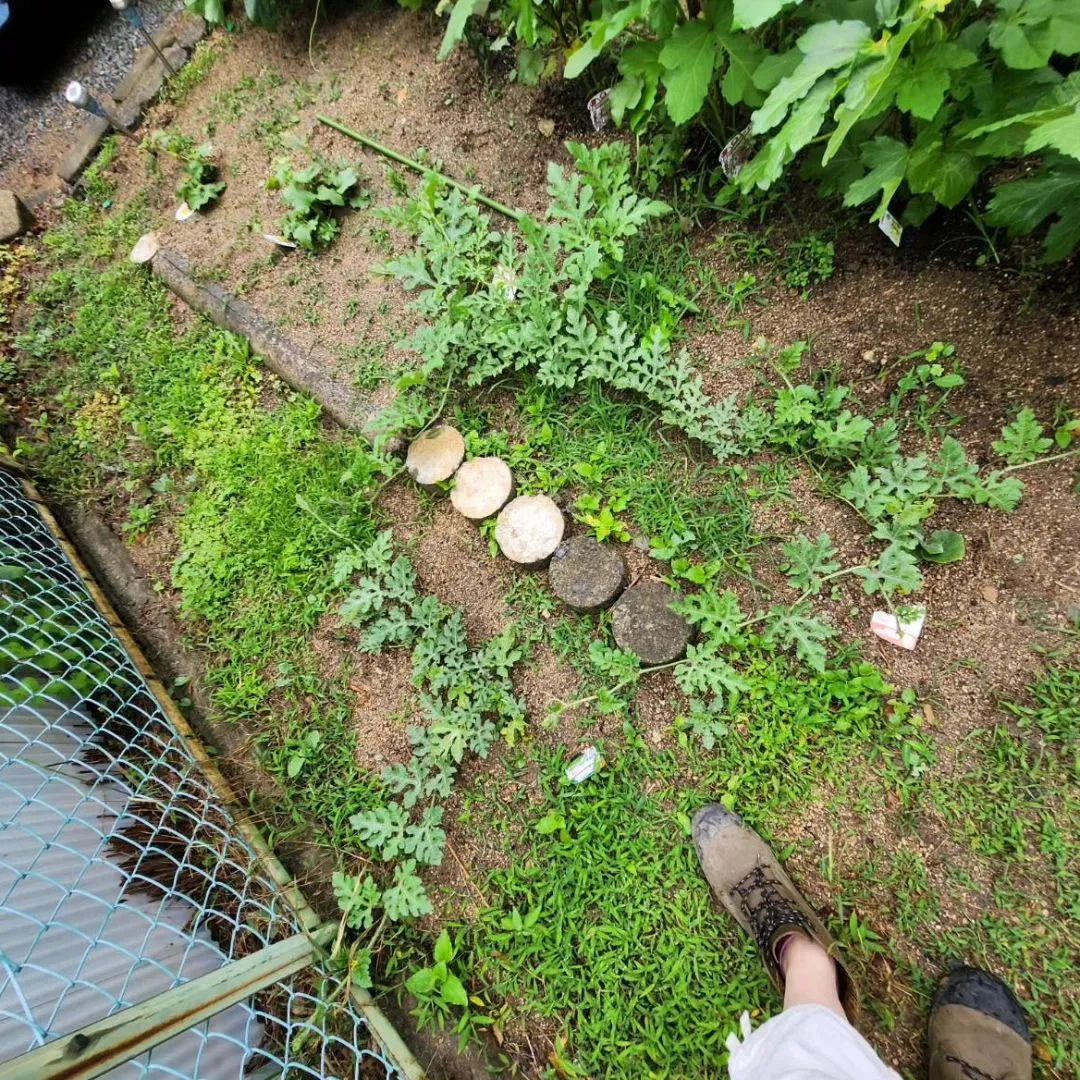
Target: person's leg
[(812, 1036), (809, 974), (747, 879)]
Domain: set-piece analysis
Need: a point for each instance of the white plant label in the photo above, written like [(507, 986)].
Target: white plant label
[(891, 227)]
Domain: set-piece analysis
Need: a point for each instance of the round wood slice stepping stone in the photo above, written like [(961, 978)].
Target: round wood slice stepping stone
[(481, 487), (529, 530), (435, 455), (645, 625), (585, 574), (146, 248)]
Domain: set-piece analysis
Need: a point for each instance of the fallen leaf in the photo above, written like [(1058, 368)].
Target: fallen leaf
[(928, 712), (546, 128), (401, 95), (990, 594)]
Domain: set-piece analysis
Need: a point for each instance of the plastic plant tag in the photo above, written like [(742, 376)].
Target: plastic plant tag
[(598, 110), (584, 765), (902, 629), (736, 153), (891, 227), (504, 278), (280, 241)]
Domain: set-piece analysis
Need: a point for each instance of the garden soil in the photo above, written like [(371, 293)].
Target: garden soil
[(1018, 341)]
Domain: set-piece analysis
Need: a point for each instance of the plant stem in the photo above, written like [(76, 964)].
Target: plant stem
[(415, 166), (562, 706), (311, 35), (1042, 461)]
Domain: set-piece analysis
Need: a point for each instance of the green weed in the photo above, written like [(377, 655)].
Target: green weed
[(313, 196), (601, 926), (810, 260), (192, 74)]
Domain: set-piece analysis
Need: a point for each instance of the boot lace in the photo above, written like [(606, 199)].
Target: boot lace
[(767, 908)]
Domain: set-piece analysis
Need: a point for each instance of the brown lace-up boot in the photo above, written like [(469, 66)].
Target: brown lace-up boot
[(977, 1030), (751, 884)]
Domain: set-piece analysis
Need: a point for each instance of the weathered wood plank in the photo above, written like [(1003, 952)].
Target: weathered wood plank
[(100, 1047)]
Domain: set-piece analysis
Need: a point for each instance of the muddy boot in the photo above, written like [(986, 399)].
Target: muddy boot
[(751, 884), (977, 1030)]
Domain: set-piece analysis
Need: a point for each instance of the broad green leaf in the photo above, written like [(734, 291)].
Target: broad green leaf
[(453, 993), (599, 34), (801, 126), (887, 159), (625, 94), (420, 983), (1022, 205), (751, 13), (774, 67), (922, 89), (1062, 134), (444, 948), (1063, 237), (942, 546), (1021, 44), (825, 47), (455, 27), (946, 173), (862, 95), (525, 28), (743, 56), (688, 58)]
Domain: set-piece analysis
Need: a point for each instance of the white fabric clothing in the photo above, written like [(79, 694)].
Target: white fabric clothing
[(806, 1042)]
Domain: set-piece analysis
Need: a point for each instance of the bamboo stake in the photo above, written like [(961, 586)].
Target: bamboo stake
[(473, 192)]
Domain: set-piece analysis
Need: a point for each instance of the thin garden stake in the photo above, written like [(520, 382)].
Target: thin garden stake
[(408, 163)]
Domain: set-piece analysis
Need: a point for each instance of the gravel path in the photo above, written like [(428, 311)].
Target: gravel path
[(100, 62)]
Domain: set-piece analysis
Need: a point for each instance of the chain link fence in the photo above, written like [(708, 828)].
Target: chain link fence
[(122, 872)]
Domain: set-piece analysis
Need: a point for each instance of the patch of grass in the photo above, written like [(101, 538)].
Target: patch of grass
[(593, 445), (1005, 887), (234, 101), (192, 74), (248, 472), (627, 958), (810, 260), (308, 744)]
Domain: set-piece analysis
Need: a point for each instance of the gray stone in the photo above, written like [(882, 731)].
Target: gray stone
[(15, 219), (82, 149), (190, 29), (586, 575), (183, 30), (129, 111), (645, 625)]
